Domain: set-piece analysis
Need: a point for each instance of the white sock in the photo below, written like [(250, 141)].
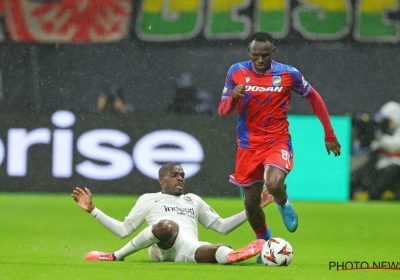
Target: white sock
[(221, 254), (143, 240)]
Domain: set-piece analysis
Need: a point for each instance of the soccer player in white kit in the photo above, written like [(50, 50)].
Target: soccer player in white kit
[(172, 217)]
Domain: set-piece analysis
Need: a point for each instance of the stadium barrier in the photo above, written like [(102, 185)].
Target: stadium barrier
[(55, 152)]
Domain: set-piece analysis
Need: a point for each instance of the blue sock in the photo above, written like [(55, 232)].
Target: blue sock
[(281, 202), (266, 236)]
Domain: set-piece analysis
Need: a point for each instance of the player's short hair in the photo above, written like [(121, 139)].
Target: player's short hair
[(163, 171), (261, 36)]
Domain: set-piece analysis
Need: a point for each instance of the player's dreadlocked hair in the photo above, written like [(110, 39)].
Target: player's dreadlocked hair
[(166, 168), (261, 36)]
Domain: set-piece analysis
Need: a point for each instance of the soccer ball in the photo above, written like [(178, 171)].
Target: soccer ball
[(277, 252)]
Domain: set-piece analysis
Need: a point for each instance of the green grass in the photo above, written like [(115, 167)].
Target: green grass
[(46, 237)]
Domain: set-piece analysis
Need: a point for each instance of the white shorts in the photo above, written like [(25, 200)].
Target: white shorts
[(182, 251)]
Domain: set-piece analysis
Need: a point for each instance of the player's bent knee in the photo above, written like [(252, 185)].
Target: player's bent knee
[(165, 228), (274, 187)]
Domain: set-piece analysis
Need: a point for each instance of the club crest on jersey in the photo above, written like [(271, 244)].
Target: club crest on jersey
[(247, 79), (277, 81), (187, 199)]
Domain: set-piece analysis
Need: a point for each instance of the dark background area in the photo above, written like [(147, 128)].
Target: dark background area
[(352, 77)]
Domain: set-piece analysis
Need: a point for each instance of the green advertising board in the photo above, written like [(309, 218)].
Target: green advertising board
[(317, 176)]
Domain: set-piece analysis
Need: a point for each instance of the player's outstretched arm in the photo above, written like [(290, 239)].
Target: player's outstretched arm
[(83, 199), (225, 226), (319, 108)]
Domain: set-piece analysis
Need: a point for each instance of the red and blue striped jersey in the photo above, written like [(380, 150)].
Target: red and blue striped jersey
[(262, 112)]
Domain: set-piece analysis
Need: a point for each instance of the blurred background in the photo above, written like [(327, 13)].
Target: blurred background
[(100, 93)]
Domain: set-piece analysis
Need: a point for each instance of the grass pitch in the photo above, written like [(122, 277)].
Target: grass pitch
[(45, 236)]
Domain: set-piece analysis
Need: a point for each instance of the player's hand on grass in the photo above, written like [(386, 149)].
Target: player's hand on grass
[(83, 198), (334, 147), (266, 198), (238, 91)]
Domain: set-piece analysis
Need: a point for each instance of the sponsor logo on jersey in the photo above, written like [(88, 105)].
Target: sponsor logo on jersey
[(277, 81), (180, 210), (247, 79), (257, 88)]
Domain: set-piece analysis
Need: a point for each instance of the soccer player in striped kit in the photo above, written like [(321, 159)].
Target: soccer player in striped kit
[(261, 89)]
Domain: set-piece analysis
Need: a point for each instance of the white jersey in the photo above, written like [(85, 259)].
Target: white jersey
[(187, 210)]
